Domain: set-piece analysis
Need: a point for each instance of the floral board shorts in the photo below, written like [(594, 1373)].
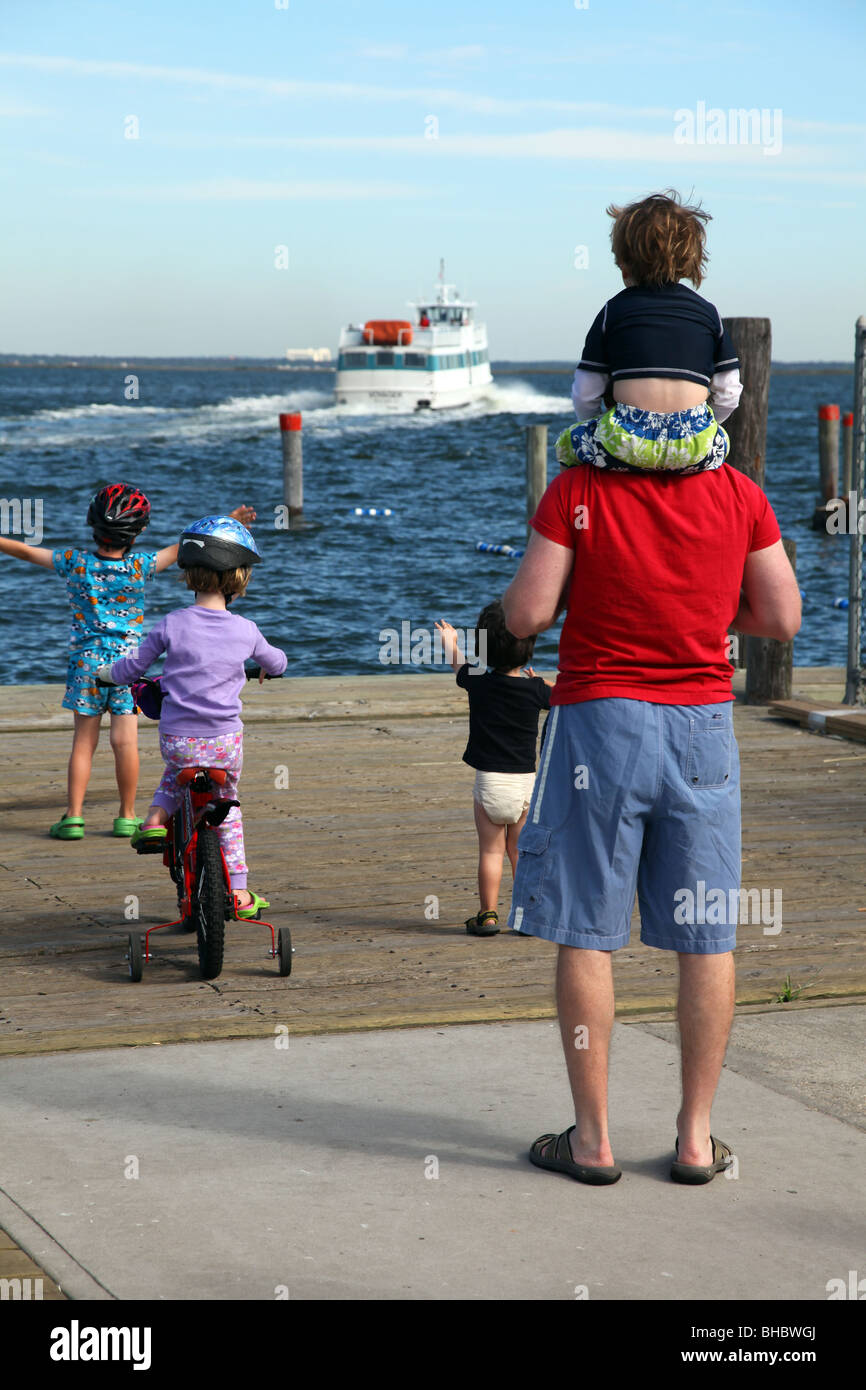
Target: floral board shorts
[(627, 440)]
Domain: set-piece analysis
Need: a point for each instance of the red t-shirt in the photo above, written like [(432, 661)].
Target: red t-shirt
[(658, 565)]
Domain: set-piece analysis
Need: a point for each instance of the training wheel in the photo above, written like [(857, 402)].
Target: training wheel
[(135, 957), (284, 950)]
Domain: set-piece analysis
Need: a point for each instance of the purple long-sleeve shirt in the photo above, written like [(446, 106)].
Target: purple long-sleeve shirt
[(205, 650)]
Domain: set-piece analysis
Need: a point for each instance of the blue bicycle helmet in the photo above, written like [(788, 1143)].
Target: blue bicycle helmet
[(217, 543)]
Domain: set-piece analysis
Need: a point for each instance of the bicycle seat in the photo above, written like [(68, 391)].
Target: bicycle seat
[(216, 774)]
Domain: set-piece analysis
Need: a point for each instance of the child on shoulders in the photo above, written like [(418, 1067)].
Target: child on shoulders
[(660, 348)]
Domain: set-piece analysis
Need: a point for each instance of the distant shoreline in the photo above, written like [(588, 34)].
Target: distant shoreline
[(224, 364)]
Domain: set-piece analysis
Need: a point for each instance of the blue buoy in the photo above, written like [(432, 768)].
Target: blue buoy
[(840, 603), (488, 549)]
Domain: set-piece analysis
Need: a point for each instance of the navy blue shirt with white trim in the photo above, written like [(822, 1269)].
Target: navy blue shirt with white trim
[(659, 331)]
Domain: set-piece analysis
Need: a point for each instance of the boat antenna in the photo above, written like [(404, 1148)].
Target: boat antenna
[(442, 269)]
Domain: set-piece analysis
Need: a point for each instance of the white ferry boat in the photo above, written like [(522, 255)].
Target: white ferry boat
[(438, 361)]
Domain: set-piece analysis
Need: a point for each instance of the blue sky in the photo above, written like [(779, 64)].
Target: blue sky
[(372, 138)]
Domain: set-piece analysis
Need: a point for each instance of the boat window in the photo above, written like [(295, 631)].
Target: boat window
[(415, 359), (384, 359)]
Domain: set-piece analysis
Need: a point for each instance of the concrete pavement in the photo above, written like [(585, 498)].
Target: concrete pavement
[(391, 1165)]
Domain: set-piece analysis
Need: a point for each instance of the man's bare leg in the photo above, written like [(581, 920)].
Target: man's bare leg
[(584, 998), (705, 1008)]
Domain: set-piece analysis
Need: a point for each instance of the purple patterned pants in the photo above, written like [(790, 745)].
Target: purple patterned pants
[(223, 750)]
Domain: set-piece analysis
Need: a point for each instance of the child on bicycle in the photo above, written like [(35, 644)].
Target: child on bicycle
[(105, 589), (660, 347), (504, 705), (205, 649)]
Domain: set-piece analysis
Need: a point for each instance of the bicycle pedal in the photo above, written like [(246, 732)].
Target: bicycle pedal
[(150, 847)]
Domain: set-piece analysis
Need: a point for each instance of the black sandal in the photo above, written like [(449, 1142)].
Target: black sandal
[(483, 924), (559, 1160)]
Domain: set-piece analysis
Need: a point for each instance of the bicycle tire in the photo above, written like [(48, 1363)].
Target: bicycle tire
[(210, 901), (135, 957), (284, 950)]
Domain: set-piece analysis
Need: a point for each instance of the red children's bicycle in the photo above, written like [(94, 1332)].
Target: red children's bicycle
[(194, 858)]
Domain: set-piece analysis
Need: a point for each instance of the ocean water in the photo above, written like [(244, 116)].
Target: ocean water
[(201, 440)]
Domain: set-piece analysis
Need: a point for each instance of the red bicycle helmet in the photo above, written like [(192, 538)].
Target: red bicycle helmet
[(118, 513)]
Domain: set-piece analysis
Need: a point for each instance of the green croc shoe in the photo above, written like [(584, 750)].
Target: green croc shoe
[(252, 909), (68, 828), (125, 826), (149, 841)]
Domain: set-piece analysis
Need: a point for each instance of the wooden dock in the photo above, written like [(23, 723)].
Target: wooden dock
[(373, 831)]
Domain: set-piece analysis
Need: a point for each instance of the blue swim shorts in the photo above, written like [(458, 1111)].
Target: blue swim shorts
[(83, 694), (633, 797)]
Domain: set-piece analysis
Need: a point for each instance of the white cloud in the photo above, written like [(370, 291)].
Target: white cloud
[(263, 190), (435, 98), (584, 143)]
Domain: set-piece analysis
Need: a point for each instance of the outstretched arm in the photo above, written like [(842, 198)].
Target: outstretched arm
[(36, 554)]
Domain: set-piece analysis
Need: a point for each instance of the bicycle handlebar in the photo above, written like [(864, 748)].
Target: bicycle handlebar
[(253, 673)]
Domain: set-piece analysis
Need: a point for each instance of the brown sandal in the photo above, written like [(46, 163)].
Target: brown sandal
[(695, 1172), (560, 1161)]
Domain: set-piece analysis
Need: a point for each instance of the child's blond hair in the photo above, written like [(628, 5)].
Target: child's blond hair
[(229, 583)]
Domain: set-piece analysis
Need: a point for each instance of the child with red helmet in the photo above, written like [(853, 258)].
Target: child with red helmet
[(105, 588)]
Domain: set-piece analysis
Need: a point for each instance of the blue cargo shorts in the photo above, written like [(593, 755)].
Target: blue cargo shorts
[(633, 797)]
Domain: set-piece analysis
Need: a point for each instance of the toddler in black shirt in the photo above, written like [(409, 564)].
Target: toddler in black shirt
[(504, 705)]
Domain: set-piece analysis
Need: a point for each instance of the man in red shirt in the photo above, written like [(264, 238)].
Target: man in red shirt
[(638, 787)]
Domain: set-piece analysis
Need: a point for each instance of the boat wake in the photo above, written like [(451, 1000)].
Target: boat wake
[(135, 423)]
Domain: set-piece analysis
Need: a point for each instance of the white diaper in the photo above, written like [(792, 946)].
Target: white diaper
[(504, 795)]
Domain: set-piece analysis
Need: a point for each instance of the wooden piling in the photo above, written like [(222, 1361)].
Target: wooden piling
[(847, 452), (747, 429), (536, 468), (828, 463), (769, 664), (293, 465), (828, 450)]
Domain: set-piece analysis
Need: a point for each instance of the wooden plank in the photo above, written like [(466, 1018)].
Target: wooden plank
[(376, 821)]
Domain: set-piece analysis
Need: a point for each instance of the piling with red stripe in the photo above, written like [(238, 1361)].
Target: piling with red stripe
[(828, 451), (847, 451), (293, 464)]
